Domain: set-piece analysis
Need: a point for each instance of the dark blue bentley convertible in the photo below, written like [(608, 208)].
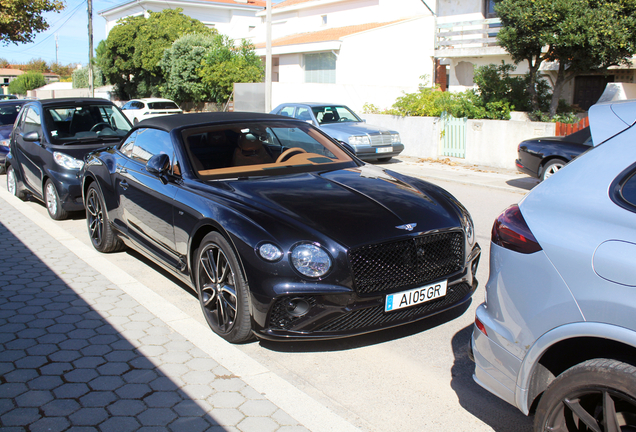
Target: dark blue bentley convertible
[(282, 232)]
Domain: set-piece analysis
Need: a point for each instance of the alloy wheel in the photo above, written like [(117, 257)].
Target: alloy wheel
[(552, 169), (51, 198), (593, 409), (217, 288), (95, 217), (12, 185)]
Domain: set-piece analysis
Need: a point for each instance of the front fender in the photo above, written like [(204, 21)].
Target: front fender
[(569, 331)]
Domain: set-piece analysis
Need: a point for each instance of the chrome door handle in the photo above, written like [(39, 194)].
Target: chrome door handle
[(124, 184)]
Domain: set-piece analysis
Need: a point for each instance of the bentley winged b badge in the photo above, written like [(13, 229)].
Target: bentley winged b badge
[(408, 227)]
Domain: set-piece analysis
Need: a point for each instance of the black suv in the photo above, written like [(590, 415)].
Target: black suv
[(48, 144)]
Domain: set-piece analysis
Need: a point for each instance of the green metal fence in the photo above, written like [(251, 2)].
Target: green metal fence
[(454, 136)]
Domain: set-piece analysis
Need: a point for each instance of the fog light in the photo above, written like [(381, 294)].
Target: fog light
[(297, 307)]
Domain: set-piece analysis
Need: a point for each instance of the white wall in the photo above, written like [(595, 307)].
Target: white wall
[(393, 55), (354, 96), (488, 142)]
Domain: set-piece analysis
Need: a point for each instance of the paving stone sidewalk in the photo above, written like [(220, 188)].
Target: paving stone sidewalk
[(78, 353)]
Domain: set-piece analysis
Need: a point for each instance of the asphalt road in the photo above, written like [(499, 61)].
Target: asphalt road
[(413, 378)]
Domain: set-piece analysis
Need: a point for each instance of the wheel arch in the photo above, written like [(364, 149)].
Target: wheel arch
[(197, 236), (560, 349), (547, 160)]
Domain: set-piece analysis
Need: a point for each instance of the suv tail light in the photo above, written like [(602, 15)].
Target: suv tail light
[(511, 232)]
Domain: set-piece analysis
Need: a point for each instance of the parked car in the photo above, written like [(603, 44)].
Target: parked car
[(280, 231), (9, 110), (140, 109), (542, 157), (339, 122), (48, 144), (556, 334), (7, 96)]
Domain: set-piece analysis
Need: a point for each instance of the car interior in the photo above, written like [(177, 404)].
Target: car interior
[(222, 151)]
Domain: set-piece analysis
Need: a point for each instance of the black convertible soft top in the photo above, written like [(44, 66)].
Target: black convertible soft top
[(177, 121)]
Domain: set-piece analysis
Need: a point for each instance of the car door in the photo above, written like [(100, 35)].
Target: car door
[(146, 199), (31, 155)]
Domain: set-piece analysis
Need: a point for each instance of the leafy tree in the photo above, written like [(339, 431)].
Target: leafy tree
[(4, 63), (227, 64), (26, 81), (494, 83), (130, 56), (80, 77), (35, 65), (64, 71), (20, 20), (583, 36), (181, 64)]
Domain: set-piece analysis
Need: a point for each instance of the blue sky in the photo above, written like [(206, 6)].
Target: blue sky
[(71, 27)]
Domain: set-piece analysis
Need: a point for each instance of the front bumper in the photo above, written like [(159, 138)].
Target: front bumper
[(371, 153), (336, 315), (69, 189)]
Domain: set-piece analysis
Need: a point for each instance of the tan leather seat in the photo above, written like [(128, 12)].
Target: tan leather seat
[(250, 151)]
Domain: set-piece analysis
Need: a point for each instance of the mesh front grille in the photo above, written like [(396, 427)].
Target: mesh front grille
[(388, 266), (374, 317), (380, 139)]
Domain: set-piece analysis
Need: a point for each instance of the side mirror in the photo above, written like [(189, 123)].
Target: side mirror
[(158, 164), (32, 136)]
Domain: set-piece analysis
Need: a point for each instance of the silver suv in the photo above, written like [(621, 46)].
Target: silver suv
[(557, 333)]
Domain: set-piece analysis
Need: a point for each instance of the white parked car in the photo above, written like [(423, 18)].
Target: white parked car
[(140, 109)]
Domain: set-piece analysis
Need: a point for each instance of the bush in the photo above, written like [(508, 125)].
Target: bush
[(25, 82), (80, 77)]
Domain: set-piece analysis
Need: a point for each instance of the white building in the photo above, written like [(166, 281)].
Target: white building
[(235, 18)]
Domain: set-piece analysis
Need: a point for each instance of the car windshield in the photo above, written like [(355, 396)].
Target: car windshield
[(334, 114), (259, 149), (80, 123), (8, 113), (162, 105)]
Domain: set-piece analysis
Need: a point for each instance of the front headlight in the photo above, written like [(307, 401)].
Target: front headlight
[(395, 138), (65, 161), (359, 140), (469, 228), (270, 252), (310, 260)]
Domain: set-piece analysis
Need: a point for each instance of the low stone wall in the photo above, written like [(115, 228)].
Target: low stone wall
[(488, 142)]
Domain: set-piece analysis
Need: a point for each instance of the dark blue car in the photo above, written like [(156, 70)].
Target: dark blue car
[(9, 110), (48, 144)]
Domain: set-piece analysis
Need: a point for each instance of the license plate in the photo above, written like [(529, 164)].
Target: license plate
[(415, 296), (383, 149)]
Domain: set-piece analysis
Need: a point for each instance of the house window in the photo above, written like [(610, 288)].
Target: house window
[(320, 68), (489, 9), (323, 19)]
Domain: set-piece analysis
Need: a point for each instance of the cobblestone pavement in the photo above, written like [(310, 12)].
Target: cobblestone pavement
[(77, 352)]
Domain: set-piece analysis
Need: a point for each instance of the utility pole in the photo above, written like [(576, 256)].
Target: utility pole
[(268, 57), (56, 48), (91, 88)]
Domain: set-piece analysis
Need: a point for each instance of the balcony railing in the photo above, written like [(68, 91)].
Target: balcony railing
[(467, 34)]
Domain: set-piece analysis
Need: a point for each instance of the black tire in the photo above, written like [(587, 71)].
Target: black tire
[(13, 186), (552, 167), (100, 232), (2, 169), (52, 201), (222, 289), (596, 395)]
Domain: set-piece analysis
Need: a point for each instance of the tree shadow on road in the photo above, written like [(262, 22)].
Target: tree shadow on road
[(496, 413)]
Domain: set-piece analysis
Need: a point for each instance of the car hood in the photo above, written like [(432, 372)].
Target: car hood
[(353, 206), (351, 128)]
